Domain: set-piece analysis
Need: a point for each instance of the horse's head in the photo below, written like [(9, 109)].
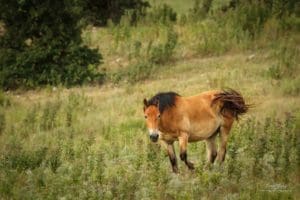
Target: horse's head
[(152, 117)]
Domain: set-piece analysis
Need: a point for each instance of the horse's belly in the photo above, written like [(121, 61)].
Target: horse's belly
[(202, 133), (195, 138), (168, 137)]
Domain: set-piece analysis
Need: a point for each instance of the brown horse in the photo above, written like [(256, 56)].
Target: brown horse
[(170, 117)]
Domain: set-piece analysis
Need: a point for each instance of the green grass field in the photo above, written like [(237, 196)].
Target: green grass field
[(179, 6), (91, 142)]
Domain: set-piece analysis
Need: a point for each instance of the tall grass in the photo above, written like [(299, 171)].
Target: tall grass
[(209, 28), (64, 159), (70, 145)]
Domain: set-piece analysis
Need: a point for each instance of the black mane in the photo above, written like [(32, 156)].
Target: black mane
[(164, 100)]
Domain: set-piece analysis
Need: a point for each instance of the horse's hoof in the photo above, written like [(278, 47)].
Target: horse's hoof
[(175, 170), (208, 166), (191, 166)]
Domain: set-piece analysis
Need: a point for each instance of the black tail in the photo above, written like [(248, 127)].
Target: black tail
[(233, 102)]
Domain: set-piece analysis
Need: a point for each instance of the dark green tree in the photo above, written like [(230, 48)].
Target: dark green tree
[(42, 44), (97, 12)]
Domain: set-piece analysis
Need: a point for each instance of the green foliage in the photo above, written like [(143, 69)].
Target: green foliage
[(121, 163), (163, 14), (4, 100), (48, 120), (42, 45), (162, 53), (22, 160), (2, 121), (200, 9), (75, 102), (209, 40), (285, 69), (287, 58), (290, 86), (140, 71), (54, 160), (4, 103), (147, 59), (72, 147), (98, 12), (227, 25)]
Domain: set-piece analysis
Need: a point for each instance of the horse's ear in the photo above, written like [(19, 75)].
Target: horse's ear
[(145, 103)]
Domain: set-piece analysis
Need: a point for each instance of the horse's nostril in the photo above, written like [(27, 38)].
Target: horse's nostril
[(154, 137)]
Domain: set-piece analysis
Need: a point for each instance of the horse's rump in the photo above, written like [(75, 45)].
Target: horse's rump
[(232, 102)]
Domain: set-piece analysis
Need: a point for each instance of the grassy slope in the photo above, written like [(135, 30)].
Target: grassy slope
[(96, 145), (179, 6), (192, 76), (108, 125)]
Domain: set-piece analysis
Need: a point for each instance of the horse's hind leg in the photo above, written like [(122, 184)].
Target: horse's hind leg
[(211, 149), (224, 135), (183, 140)]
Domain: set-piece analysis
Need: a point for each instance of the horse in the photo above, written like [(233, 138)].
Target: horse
[(171, 117)]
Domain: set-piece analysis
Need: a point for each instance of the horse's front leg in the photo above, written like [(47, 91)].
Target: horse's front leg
[(183, 141), (172, 157)]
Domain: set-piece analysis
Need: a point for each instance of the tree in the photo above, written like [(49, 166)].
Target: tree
[(42, 44), (97, 12)]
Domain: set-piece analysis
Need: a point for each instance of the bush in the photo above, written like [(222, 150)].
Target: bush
[(139, 72), (200, 10), (49, 116), (4, 100), (162, 14), (42, 45), (287, 59), (22, 160), (146, 60), (98, 12), (2, 121), (162, 53)]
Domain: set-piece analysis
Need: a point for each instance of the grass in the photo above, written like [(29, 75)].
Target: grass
[(91, 142), (178, 6)]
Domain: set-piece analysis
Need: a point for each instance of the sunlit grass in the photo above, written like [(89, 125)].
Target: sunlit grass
[(90, 142)]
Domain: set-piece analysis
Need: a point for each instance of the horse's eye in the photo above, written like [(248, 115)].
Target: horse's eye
[(145, 116), (158, 116)]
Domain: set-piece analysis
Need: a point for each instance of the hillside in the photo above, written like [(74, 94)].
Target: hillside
[(90, 141)]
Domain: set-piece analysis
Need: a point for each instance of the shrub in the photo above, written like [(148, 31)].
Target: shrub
[(4, 100), (146, 60), (22, 160), (163, 14), (48, 120), (139, 72), (42, 45), (2, 121), (98, 12), (162, 53), (287, 58), (200, 10)]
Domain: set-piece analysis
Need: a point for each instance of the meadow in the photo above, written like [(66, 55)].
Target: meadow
[(90, 142)]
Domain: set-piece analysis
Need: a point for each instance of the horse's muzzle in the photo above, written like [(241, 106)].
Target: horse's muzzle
[(154, 137)]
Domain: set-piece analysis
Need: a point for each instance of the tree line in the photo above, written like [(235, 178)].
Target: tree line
[(41, 44), (40, 41)]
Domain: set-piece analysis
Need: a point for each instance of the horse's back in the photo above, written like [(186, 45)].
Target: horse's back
[(200, 117), (202, 101)]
